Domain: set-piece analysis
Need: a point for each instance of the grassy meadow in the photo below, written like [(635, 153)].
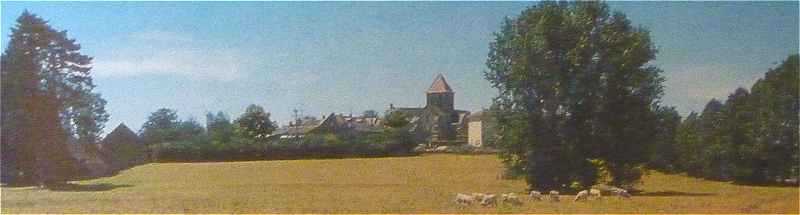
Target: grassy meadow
[(422, 184)]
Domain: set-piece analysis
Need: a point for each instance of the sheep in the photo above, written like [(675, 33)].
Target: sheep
[(489, 199), (535, 195), (595, 193), (511, 199), (464, 199), (478, 196), (623, 193), (554, 196), (581, 196), (606, 189)]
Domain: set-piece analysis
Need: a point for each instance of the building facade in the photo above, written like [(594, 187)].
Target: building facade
[(438, 123), (482, 130)]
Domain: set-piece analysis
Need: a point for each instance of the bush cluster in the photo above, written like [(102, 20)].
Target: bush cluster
[(309, 146)]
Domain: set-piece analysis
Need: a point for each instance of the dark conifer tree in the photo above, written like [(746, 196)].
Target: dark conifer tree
[(47, 98)]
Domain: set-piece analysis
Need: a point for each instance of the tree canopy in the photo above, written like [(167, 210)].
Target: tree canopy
[(574, 85), (254, 123), (160, 127)]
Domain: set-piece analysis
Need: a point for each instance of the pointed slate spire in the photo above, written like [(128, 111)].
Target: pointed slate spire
[(439, 85)]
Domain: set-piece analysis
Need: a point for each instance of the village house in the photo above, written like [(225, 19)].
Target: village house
[(123, 149), (482, 129), (88, 158), (119, 150), (438, 123), (333, 123)]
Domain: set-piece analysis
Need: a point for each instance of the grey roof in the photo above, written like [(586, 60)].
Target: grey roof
[(121, 135)]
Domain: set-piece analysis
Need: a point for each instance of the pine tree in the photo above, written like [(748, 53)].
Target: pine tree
[(47, 97)]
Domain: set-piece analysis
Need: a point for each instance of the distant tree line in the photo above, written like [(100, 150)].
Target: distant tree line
[(749, 138), (250, 137)]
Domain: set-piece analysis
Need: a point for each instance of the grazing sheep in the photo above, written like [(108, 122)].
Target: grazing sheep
[(595, 193), (623, 194), (554, 196), (535, 195), (606, 189), (489, 199), (464, 199), (511, 199), (581, 196), (478, 197)]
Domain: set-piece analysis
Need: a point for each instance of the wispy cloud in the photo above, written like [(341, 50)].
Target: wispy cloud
[(162, 36), (163, 52)]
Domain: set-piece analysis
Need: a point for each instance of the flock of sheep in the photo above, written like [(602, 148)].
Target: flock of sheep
[(514, 200)]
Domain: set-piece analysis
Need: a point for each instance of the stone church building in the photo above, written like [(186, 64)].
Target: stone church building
[(438, 123)]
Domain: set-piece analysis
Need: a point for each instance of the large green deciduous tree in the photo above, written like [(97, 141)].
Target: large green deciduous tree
[(220, 129), (254, 123), (398, 138), (762, 126), (574, 85), (689, 145), (716, 150), (776, 125), (48, 100), (664, 153), (160, 127)]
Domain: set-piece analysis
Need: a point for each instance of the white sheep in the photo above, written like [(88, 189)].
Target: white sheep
[(581, 196), (595, 193), (511, 198), (554, 196), (464, 199), (623, 193), (478, 197), (606, 189), (535, 195), (489, 199)]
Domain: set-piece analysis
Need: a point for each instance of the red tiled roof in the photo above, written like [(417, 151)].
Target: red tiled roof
[(439, 85)]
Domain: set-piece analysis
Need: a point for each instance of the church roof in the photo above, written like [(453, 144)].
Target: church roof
[(439, 85)]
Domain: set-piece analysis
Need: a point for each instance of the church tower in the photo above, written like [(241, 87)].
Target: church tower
[(440, 95)]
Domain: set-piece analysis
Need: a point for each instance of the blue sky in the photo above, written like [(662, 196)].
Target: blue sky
[(327, 57)]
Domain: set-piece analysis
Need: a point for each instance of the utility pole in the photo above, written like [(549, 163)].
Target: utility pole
[(296, 122)]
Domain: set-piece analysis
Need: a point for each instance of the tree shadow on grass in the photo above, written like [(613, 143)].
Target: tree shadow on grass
[(672, 193), (785, 183), (86, 187)]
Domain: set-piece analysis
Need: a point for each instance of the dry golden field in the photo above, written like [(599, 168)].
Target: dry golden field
[(422, 184)]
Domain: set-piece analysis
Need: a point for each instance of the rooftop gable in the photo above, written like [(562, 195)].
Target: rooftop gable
[(121, 134), (439, 85)]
